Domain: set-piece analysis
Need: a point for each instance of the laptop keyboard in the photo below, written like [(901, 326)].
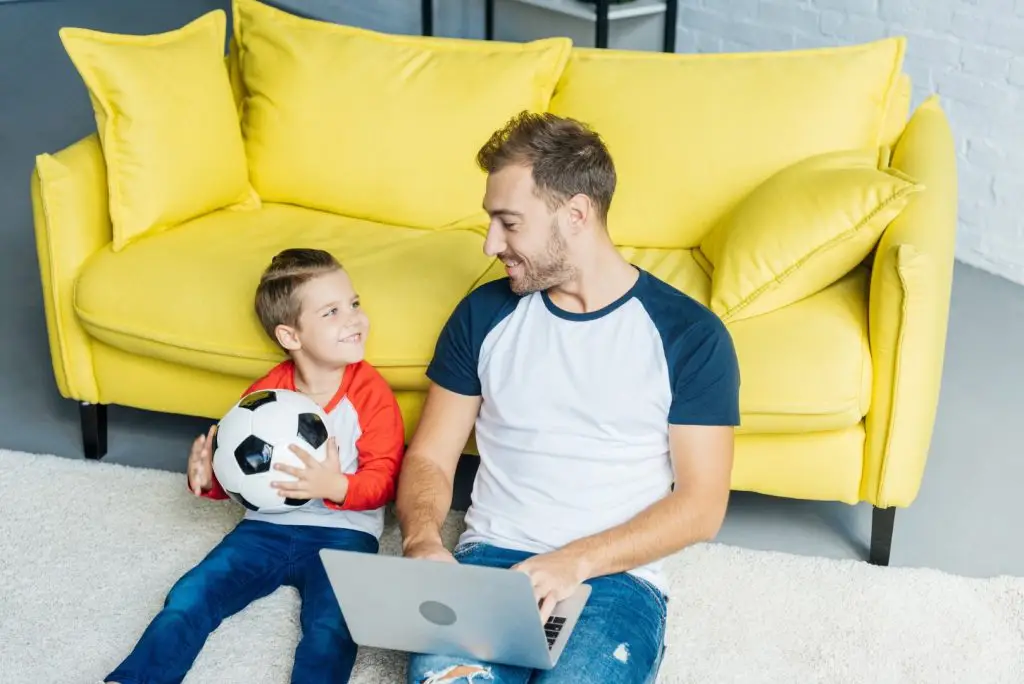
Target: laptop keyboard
[(552, 628)]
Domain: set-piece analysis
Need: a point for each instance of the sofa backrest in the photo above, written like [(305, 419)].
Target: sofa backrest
[(691, 134)]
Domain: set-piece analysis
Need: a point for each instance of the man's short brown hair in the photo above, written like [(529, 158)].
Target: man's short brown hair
[(566, 156), (276, 300)]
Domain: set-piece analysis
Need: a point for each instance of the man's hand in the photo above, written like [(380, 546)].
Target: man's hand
[(200, 463), (433, 550), (316, 480), (555, 577)]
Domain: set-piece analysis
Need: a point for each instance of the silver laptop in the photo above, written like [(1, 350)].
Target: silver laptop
[(467, 611)]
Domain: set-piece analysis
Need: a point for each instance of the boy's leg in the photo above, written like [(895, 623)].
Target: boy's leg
[(249, 563), (325, 652), (619, 636), (434, 669)]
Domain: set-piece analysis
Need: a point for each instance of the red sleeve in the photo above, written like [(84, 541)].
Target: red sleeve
[(381, 445), (275, 379)]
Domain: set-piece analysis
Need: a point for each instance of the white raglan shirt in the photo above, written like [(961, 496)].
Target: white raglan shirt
[(573, 427)]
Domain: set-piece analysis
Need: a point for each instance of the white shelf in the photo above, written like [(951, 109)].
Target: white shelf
[(588, 11)]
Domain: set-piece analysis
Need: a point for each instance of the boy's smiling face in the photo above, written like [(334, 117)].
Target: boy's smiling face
[(332, 327)]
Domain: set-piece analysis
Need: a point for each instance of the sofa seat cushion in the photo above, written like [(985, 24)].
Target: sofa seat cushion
[(186, 295), (807, 367)]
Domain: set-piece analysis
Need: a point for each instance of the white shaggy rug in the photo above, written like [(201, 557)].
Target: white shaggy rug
[(88, 550)]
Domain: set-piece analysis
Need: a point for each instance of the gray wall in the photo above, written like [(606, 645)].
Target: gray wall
[(44, 107), (457, 18)]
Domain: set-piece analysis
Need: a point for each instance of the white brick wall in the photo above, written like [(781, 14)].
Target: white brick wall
[(970, 52)]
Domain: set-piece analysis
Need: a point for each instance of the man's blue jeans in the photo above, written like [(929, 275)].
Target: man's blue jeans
[(619, 638), (251, 562)]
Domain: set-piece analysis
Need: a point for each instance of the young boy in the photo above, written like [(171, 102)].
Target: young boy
[(306, 303)]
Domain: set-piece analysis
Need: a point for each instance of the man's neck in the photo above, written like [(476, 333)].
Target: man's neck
[(602, 277)]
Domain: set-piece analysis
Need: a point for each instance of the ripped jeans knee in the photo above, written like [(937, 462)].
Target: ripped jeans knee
[(466, 674)]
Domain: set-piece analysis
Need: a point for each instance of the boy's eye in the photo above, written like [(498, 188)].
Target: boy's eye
[(355, 305), (331, 312)]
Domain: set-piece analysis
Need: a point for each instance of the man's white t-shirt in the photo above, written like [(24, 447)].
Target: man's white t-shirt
[(573, 427)]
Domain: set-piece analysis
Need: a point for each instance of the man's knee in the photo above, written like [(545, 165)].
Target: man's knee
[(457, 673), (428, 669)]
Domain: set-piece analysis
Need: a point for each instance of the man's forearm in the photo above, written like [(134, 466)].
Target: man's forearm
[(667, 526), (423, 501)]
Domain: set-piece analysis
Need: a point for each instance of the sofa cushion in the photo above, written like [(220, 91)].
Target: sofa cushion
[(167, 121), (693, 133), (379, 126), (186, 295), (802, 229), (807, 367)]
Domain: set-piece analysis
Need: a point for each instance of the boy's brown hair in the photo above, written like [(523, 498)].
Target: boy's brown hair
[(565, 155), (276, 300)]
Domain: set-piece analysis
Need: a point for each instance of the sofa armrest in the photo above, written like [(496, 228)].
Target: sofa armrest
[(908, 313), (72, 222)]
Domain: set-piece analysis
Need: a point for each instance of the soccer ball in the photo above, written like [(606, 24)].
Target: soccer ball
[(254, 436)]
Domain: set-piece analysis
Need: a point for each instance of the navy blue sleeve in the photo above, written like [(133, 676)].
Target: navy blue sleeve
[(705, 377), (457, 351)]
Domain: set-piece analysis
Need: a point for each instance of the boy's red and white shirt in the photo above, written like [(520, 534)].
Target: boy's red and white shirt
[(367, 425)]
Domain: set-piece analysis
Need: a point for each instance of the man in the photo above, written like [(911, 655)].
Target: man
[(593, 388)]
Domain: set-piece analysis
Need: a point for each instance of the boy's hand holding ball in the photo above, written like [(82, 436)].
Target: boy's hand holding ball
[(316, 480)]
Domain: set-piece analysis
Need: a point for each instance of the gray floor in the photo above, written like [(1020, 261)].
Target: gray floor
[(965, 520)]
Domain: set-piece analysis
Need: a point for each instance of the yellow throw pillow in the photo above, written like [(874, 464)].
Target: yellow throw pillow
[(801, 230), (378, 126), (167, 123)]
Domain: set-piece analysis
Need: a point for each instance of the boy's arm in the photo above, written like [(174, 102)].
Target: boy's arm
[(380, 448)]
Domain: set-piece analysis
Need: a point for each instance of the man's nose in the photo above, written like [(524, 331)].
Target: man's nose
[(494, 243)]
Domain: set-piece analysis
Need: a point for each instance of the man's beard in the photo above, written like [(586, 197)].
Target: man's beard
[(548, 270)]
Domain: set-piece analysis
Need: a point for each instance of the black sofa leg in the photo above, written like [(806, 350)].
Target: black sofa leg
[(882, 521), (94, 429)]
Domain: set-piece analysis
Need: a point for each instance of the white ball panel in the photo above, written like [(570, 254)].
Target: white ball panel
[(276, 423)]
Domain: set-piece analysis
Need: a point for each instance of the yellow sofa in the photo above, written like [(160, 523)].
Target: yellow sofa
[(362, 143)]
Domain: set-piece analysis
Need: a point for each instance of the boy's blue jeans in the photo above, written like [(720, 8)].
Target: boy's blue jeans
[(619, 638), (251, 562)]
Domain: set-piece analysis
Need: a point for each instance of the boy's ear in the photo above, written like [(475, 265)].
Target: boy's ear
[(287, 337)]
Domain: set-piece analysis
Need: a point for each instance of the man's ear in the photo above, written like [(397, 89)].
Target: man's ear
[(580, 211), (287, 337)]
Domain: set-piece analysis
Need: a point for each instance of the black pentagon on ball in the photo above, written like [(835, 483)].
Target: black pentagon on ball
[(312, 429), (295, 502), (256, 399), (253, 455), (242, 500)]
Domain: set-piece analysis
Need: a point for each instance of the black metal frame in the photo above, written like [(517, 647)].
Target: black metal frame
[(601, 8)]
